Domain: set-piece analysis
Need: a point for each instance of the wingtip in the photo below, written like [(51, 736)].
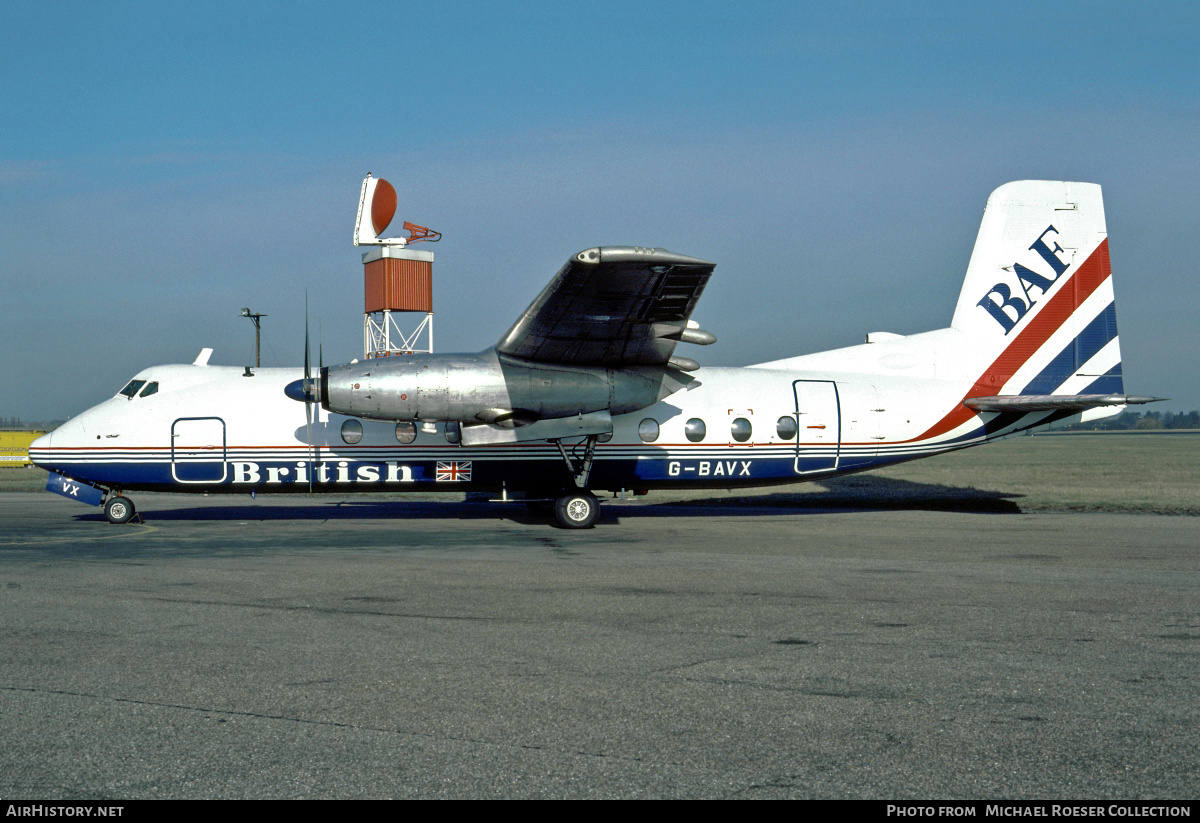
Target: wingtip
[(638, 254)]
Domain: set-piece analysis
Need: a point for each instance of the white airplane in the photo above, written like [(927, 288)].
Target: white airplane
[(585, 391)]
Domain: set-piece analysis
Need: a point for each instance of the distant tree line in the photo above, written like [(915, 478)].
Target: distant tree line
[(1133, 420), (33, 425)]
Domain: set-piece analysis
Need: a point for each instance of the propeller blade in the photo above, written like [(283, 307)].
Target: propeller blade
[(308, 394)]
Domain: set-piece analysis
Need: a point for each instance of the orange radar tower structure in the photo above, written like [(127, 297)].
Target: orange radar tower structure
[(398, 280)]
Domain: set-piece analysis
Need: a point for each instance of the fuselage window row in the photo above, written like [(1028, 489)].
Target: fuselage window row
[(649, 430)]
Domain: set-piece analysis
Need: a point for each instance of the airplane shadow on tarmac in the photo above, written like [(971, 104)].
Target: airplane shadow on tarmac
[(844, 494), (869, 493)]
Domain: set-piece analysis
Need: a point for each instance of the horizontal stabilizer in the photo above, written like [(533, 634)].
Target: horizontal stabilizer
[(1051, 402)]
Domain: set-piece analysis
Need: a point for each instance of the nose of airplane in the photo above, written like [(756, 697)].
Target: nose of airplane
[(37, 449)]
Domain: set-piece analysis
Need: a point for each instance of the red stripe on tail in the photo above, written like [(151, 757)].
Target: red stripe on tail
[(1079, 286)]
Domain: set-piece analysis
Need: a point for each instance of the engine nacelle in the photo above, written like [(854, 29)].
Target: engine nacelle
[(486, 388)]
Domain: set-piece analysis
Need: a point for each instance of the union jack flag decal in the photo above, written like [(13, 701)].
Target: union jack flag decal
[(454, 470)]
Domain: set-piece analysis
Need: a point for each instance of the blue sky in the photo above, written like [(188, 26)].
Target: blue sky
[(163, 165)]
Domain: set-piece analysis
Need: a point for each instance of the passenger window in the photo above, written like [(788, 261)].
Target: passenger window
[(352, 431), (740, 430), (133, 388), (151, 388), (453, 433), (786, 428), (694, 429), (406, 432), (648, 430)]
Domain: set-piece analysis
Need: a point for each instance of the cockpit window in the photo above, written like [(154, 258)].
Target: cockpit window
[(151, 388), (133, 388)]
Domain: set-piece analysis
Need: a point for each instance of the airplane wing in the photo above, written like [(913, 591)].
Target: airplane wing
[(613, 306)]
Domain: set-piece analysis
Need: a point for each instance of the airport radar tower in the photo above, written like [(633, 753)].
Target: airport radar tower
[(398, 280)]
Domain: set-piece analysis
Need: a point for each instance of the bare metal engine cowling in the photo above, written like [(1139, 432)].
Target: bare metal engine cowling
[(488, 388)]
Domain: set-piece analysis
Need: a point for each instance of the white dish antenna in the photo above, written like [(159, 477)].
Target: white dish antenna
[(376, 208)]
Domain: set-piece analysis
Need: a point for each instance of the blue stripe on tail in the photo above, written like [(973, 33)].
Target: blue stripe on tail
[(1066, 363)]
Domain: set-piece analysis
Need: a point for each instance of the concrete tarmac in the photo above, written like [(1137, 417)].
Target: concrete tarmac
[(374, 648)]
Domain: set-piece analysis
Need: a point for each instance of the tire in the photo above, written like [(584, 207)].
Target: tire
[(119, 509), (577, 510)]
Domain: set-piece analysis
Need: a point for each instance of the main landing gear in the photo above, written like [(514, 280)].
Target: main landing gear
[(119, 509), (578, 508)]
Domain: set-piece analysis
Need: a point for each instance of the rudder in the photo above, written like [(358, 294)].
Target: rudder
[(1037, 301)]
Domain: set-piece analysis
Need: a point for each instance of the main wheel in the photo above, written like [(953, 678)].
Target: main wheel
[(576, 510), (119, 509)]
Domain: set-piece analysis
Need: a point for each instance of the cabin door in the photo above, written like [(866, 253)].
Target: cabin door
[(819, 416), (198, 450)]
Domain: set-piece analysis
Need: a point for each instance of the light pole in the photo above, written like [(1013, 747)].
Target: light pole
[(254, 316)]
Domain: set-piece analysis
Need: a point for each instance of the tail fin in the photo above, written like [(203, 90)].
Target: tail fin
[(1037, 301)]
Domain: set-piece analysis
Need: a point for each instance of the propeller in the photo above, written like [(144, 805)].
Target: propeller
[(303, 391), (308, 394)]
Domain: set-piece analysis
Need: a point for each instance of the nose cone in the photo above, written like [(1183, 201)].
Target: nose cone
[(39, 450)]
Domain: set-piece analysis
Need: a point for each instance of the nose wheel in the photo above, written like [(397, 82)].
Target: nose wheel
[(576, 510), (119, 509)]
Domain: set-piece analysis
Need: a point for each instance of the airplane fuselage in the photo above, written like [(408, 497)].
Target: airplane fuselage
[(213, 429)]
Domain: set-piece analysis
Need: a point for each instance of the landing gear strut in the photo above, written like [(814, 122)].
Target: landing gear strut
[(581, 473), (578, 507)]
